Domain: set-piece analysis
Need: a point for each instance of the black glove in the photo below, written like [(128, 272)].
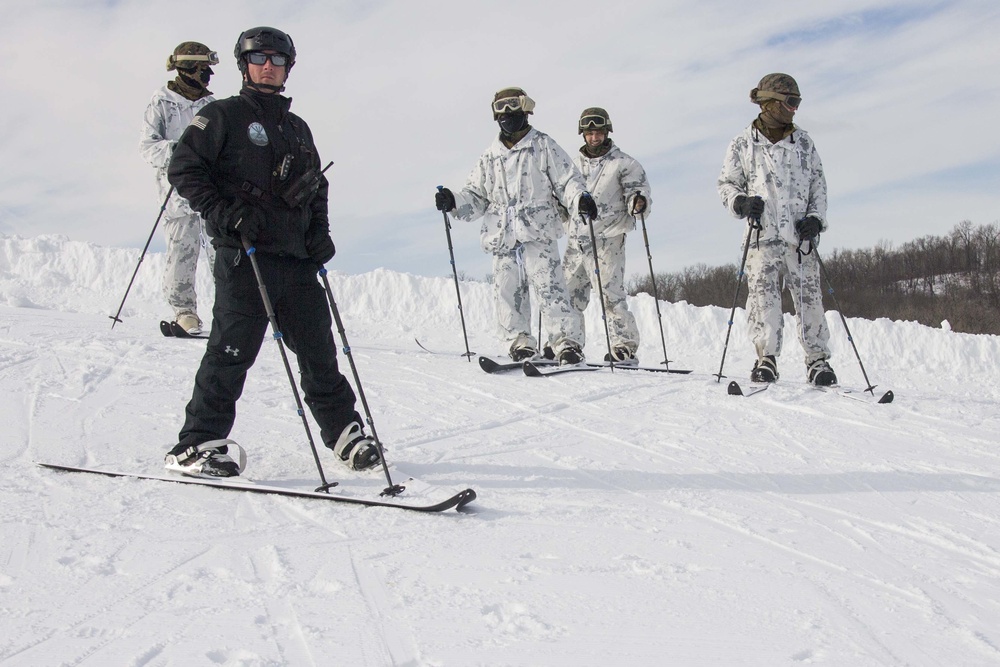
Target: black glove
[(638, 205), (808, 228), (320, 246), (749, 207), (245, 222), (587, 206), (444, 200)]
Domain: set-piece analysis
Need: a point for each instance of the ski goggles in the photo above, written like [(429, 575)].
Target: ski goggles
[(594, 123), (212, 58), (259, 58), (521, 103), (791, 101)]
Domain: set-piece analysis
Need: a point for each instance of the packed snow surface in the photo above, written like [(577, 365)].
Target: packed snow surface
[(623, 518)]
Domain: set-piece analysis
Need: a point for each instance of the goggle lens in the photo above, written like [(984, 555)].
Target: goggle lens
[(258, 58)]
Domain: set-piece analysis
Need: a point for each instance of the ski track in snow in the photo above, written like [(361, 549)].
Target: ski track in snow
[(623, 518)]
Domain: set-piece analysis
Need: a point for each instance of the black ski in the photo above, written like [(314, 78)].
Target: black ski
[(734, 389), (174, 330), (457, 501), (491, 366), (650, 369), (540, 370)]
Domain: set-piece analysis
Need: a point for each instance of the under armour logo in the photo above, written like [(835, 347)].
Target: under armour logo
[(235, 351)]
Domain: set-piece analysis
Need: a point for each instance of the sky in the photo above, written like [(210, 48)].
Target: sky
[(623, 518), (900, 98)]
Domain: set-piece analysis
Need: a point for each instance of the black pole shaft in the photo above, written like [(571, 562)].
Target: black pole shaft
[(163, 208), (269, 309), (600, 291), (870, 388), (656, 296), (454, 273), (736, 296), (393, 489)]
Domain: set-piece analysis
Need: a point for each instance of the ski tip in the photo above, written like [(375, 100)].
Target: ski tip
[(488, 364), (465, 497), (734, 389), (887, 397), (531, 370), (166, 329)]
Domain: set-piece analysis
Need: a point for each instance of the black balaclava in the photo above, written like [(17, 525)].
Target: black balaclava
[(513, 127)]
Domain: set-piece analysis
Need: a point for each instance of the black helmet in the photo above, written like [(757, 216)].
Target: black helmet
[(260, 39)]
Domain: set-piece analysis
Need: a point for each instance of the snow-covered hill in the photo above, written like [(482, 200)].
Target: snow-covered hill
[(632, 519)]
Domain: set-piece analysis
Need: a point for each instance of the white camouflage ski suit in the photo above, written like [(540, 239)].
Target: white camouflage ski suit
[(523, 194), (166, 117), (789, 177), (613, 179)]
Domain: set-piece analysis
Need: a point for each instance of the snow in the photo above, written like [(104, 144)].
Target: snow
[(627, 518)]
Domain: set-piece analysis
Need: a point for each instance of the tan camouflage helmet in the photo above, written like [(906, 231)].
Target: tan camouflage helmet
[(778, 84), (511, 99), (189, 55), (594, 118)]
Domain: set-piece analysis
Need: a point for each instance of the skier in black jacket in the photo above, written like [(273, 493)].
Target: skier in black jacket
[(251, 169)]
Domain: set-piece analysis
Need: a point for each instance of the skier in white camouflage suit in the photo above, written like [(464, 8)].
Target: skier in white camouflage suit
[(169, 112), (772, 175), (523, 186), (619, 185)]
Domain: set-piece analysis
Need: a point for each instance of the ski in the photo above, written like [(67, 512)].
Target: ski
[(491, 366), (450, 354), (174, 330), (536, 371), (650, 369), (856, 395), (734, 389), (457, 501)]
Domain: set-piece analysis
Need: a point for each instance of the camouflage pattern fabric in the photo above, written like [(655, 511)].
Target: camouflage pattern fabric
[(787, 175), (767, 266), (613, 180), (167, 116), (578, 269), (522, 193), (535, 264), (185, 237)]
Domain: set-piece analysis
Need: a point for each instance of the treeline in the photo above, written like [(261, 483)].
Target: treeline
[(929, 280)]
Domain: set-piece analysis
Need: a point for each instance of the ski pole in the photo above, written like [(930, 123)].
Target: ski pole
[(754, 224), (454, 273), (656, 297), (393, 489), (600, 291), (871, 387), (269, 309), (145, 248)]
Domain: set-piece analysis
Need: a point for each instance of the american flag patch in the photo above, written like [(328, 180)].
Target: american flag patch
[(200, 122)]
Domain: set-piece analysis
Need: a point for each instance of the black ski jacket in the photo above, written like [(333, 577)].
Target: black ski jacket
[(233, 154)]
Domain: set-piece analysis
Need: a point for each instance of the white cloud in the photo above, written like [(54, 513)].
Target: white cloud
[(397, 94)]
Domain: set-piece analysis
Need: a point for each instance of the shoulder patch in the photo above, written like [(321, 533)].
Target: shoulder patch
[(200, 122)]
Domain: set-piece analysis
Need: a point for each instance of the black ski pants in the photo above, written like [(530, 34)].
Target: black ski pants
[(239, 324)]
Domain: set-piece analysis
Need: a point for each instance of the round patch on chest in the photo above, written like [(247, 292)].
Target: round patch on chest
[(257, 134)]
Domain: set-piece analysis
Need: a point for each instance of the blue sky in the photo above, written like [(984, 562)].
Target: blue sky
[(900, 97)]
